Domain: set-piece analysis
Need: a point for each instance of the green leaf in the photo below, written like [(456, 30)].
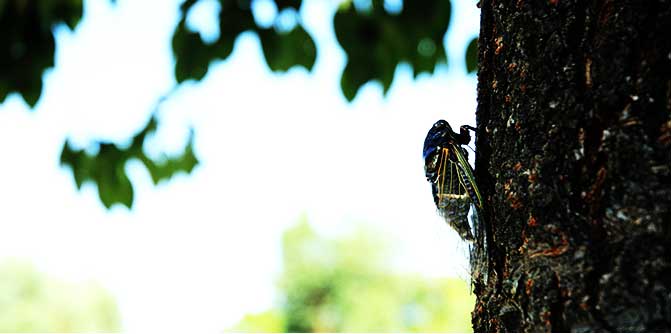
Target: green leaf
[(282, 4), (472, 56), (78, 161), (166, 167), (285, 50), (191, 54), (28, 43), (113, 184), (353, 77), (376, 41), (235, 18), (31, 94), (106, 168), (281, 50), (69, 11)]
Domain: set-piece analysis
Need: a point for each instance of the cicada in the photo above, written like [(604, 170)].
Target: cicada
[(451, 176)]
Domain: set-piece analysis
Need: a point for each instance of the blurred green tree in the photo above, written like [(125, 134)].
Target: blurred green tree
[(33, 302), (376, 35), (344, 285)]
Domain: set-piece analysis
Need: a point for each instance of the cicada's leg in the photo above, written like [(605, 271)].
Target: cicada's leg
[(467, 127)]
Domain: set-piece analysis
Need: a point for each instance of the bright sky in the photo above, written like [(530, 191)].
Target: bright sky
[(201, 250)]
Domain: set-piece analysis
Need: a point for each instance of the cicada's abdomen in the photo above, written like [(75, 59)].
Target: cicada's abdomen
[(454, 209)]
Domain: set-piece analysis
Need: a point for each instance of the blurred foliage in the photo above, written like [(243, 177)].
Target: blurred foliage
[(376, 39), (472, 56), (28, 44), (32, 302), (271, 321), (343, 285), (376, 35), (282, 49), (106, 166)]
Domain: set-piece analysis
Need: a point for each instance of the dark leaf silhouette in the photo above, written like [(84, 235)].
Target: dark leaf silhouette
[(472, 56), (28, 43), (285, 50), (376, 41), (282, 50)]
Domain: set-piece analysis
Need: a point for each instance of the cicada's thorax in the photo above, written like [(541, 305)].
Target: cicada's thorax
[(439, 138)]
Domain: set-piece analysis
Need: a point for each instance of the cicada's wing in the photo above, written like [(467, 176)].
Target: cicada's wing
[(467, 178), (450, 193), (479, 255)]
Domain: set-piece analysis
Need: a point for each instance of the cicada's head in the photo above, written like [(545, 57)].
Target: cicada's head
[(440, 135)]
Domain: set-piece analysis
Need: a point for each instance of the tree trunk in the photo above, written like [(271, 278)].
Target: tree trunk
[(574, 162)]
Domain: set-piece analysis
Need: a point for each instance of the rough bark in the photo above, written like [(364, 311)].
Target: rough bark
[(574, 161)]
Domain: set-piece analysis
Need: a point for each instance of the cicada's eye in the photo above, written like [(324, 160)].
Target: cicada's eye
[(440, 124)]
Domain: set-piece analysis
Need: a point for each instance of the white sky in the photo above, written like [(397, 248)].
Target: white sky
[(200, 251)]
